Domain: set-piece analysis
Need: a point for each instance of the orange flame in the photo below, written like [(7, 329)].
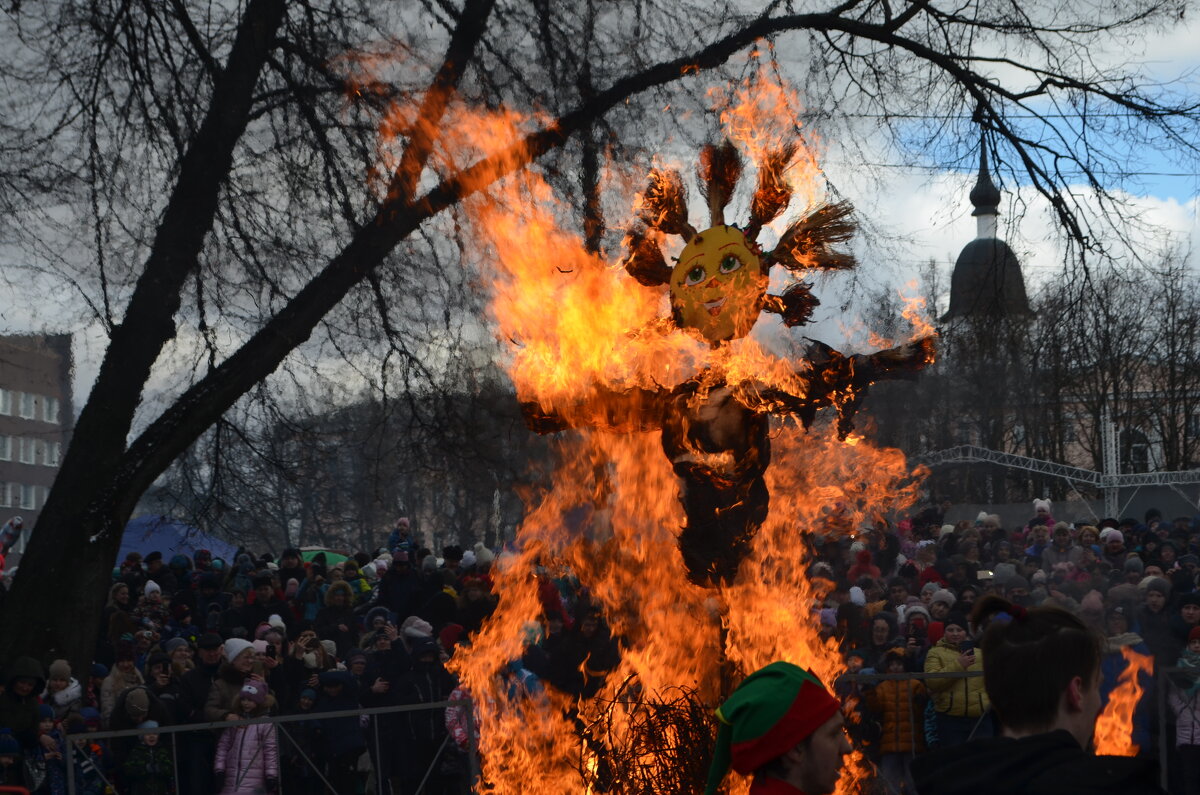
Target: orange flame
[(582, 339), (1114, 727)]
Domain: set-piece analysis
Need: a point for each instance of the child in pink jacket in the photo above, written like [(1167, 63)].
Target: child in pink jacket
[(247, 760)]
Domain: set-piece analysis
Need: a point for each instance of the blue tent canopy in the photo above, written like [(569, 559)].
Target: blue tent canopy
[(171, 537)]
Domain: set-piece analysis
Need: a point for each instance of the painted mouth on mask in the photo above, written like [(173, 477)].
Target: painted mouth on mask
[(714, 307)]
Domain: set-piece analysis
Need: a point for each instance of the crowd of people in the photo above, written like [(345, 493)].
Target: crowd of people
[(903, 596), (200, 640)]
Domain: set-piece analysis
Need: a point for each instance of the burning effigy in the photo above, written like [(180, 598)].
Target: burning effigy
[(715, 424), (693, 471)]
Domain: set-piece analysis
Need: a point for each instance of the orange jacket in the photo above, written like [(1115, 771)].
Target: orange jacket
[(899, 703)]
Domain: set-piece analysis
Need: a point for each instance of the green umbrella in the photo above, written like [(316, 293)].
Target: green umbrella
[(331, 557)]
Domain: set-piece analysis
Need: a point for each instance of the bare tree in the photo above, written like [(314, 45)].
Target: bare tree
[(221, 148)]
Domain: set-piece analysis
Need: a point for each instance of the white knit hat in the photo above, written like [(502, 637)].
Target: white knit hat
[(235, 646)]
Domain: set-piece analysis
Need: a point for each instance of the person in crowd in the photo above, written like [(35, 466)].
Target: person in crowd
[(1043, 680), (900, 704), (1186, 618), (961, 704), (19, 711), (1154, 620), (196, 749), (239, 666), (149, 768), (782, 727), (124, 675), (247, 756), (63, 693), (342, 739), (337, 620), (13, 772), (1184, 699)]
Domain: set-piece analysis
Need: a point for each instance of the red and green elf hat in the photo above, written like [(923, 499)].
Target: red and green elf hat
[(769, 713)]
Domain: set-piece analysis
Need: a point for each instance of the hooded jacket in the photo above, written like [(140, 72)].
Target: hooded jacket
[(1043, 764), (20, 713), (248, 756), (65, 702)]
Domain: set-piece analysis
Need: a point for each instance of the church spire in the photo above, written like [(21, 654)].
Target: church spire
[(985, 196)]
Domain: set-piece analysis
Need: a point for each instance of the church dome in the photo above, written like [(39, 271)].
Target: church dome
[(987, 281)]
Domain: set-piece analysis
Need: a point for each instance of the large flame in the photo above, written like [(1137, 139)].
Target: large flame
[(1114, 727), (584, 339)]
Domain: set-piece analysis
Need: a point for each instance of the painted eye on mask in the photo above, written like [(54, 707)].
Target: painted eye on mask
[(694, 276), (730, 264)]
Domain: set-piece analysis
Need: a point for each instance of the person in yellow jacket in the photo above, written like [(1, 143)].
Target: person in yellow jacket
[(961, 705)]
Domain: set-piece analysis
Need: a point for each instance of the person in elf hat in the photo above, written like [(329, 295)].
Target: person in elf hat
[(782, 727)]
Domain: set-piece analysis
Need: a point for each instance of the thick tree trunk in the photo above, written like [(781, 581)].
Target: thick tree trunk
[(62, 584)]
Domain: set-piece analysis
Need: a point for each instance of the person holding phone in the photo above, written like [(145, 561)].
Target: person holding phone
[(960, 704)]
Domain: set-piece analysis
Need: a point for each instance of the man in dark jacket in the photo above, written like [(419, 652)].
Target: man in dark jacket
[(422, 731), (342, 739), (196, 749), (1043, 679), (400, 589)]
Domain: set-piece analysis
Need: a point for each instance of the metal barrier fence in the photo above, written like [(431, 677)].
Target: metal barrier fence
[(380, 785)]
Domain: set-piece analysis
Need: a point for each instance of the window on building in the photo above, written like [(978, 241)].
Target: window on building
[(50, 410), (4, 503), (1135, 451), (40, 453), (1193, 426), (25, 448), (28, 497), (28, 405), (6, 443), (6, 401), (55, 454)]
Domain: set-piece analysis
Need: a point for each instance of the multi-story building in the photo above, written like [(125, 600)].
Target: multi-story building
[(36, 415)]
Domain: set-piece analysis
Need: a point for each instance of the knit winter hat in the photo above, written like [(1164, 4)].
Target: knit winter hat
[(857, 596), (1041, 504), (234, 647), (1194, 634), (414, 627), (59, 669), (308, 693), (768, 714), (152, 587), (944, 595), (45, 712), (174, 643), (254, 691), (1157, 584)]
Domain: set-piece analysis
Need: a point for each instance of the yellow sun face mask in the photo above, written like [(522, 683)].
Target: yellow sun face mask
[(718, 286)]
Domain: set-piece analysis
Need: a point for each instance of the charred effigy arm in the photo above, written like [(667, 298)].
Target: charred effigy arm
[(607, 409), (835, 379)]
